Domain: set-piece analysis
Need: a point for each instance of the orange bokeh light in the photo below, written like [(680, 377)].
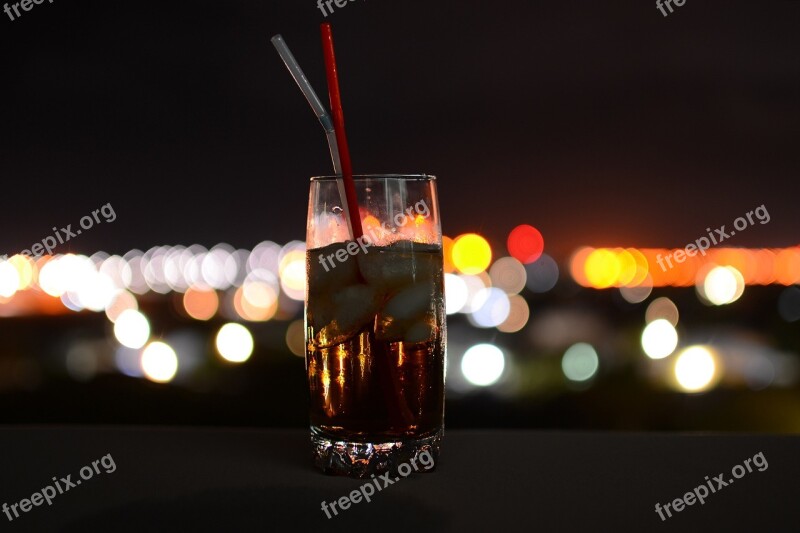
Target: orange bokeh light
[(200, 304), (447, 252), (787, 266)]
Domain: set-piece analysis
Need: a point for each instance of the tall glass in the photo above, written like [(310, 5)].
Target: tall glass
[(375, 325)]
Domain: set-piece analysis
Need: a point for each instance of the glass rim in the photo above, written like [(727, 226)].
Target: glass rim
[(365, 177)]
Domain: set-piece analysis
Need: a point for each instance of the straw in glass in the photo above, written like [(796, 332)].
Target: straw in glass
[(319, 110), (338, 123)]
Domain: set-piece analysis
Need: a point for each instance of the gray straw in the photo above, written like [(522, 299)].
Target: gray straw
[(322, 114), (313, 100)]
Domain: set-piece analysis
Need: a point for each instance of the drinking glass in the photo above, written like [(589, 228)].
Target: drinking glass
[(375, 325)]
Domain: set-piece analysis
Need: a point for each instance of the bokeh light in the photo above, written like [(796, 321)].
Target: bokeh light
[(447, 254), (132, 329), (475, 284), (9, 279), (662, 307), (508, 274), (602, 268), (200, 304), (542, 274), (639, 293), (722, 285), (696, 369), (295, 338), (26, 270), (525, 243), (787, 266), (234, 343), (580, 362), (577, 266), (483, 364), (492, 308), (292, 270), (659, 339), (471, 254), (518, 315), (456, 293), (121, 302), (159, 362)]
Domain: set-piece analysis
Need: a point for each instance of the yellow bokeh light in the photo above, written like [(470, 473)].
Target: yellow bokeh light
[(602, 268), (292, 272), (471, 254), (627, 267), (642, 268), (26, 269)]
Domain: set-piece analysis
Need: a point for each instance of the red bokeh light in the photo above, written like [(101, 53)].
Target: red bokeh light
[(525, 243)]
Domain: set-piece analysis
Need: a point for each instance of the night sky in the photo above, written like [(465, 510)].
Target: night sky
[(601, 123)]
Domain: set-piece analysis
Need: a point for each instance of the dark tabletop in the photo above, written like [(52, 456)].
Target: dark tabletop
[(165, 479)]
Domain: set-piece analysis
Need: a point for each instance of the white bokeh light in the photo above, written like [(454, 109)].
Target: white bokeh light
[(234, 343), (159, 362), (9, 279), (492, 308), (455, 292), (132, 329), (695, 369), (659, 339), (723, 285), (483, 364)]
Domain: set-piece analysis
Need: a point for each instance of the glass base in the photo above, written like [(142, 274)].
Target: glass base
[(363, 459)]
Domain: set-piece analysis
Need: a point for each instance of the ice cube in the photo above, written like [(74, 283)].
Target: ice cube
[(320, 312), (410, 302), (355, 306), (410, 305), (331, 267), (385, 270)]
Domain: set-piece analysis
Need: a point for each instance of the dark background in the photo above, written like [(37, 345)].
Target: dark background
[(601, 123)]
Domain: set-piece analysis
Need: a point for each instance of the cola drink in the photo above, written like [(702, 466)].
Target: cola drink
[(375, 357)]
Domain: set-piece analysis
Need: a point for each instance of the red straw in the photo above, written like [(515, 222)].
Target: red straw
[(338, 124)]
